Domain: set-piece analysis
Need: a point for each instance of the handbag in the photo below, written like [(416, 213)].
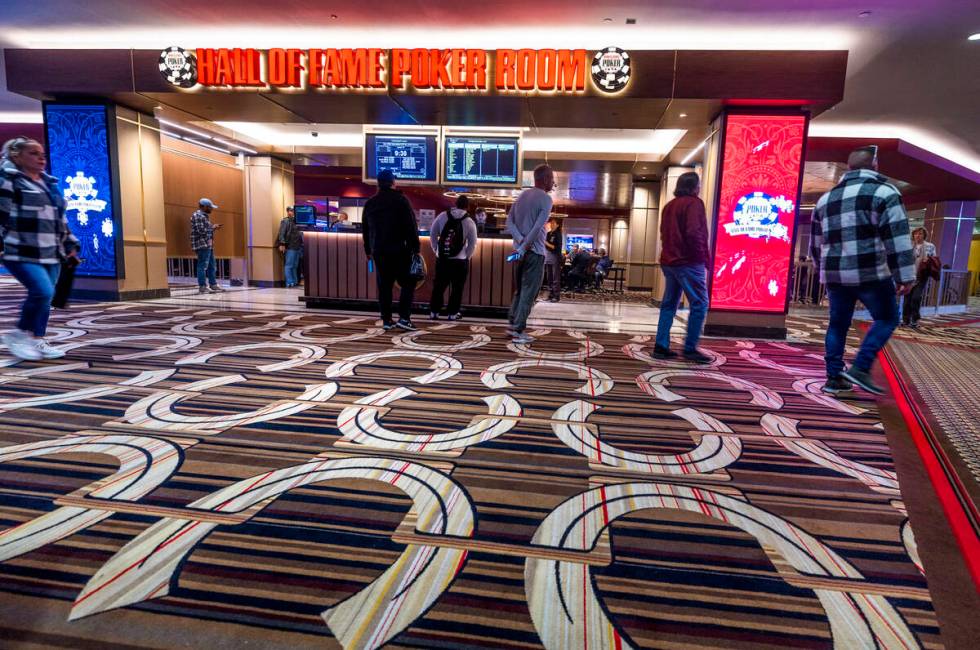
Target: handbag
[(932, 267)]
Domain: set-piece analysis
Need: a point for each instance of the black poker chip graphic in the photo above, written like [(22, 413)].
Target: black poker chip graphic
[(178, 67), (611, 69)]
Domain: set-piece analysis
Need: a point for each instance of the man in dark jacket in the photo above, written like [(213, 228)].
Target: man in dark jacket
[(683, 259), (391, 237), (290, 240)]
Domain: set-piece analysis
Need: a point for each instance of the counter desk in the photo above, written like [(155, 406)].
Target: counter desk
[(336, 272)]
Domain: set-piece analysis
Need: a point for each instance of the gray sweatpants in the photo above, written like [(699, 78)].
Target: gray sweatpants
[(529, 273)]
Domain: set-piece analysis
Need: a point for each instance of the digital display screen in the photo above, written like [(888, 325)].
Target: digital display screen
[(478, 160), (584, 241), (305, 215), (757, 210), (78, 156), (411, 157)]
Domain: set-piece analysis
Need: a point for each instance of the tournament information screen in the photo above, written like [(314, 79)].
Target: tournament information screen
[(760, 183), (411, 157), (472, 160)]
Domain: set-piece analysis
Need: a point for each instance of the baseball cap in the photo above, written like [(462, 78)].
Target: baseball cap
[(207, 203), (386, 176)]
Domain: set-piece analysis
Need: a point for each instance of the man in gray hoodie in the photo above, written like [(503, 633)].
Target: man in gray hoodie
[(453, 239)]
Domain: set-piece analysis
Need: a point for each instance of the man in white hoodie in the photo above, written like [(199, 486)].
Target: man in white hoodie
[(453, 239)]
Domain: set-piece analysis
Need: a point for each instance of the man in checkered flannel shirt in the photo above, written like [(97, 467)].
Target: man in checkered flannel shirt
[(860, 239)]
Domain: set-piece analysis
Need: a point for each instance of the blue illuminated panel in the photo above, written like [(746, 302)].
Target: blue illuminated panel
[(78, 156)]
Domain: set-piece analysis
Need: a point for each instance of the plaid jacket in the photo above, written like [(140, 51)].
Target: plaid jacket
[(32, 219), (860, 232), (202, 230)]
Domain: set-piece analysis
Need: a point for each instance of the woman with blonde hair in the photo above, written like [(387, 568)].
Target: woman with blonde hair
[(36, 240), (923, 249)]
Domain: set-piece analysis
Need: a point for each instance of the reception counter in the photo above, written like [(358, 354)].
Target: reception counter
[(337, 275)]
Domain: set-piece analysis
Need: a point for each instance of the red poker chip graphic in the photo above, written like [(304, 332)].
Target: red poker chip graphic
[(611, 69), (178, 67)]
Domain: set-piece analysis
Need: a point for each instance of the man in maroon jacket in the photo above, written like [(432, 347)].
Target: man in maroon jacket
[(683, 259)]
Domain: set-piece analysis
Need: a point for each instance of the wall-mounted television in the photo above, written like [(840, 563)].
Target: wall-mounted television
[(583, 241), (305, 215), (412, 155), (482, 159)]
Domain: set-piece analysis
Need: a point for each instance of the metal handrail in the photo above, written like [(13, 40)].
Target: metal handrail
[(952, 288)]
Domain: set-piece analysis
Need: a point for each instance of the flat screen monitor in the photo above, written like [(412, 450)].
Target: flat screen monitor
[(79, 140), (413, 157), (482, 160), (584, 241), (305, 215)]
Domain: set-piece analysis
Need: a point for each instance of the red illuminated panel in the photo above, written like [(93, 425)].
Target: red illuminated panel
[(757, 212)]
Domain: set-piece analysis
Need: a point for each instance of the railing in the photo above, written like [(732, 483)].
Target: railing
[(949, 293), (186, 267)]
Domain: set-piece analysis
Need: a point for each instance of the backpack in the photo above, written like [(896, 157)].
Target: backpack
[(452, 238)]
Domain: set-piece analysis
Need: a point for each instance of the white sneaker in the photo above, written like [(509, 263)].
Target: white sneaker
[(525, 339), (21, 345), (216, 289), (48, 351)]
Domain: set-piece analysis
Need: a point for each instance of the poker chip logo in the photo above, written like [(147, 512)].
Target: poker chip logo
[(611, 69), (757, 215), (178, 67)]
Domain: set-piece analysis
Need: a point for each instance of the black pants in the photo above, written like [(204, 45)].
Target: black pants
[(390, 268), (912, 304), (553, 268), (452, 274)]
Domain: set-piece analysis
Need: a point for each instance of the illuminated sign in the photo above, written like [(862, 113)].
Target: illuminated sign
[(482, 160), (78, 156), (366, 69), (757, 206)]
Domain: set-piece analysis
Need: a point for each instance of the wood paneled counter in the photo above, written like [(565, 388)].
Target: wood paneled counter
[(336, 273)]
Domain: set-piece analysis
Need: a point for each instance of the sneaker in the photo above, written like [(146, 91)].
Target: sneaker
[(663, 353), (697, 356), (522, 339), (511, 332), (863, 379), (456, 316), (48, 351), (203, 290), (388, 325), (836, 385), (216, 289), (433, 316), (405, 324), (21, 345)]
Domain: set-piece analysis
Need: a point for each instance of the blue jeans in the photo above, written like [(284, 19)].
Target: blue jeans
[(879, 298), (689, 279), (293, 256), (205, 263), (39, 280)]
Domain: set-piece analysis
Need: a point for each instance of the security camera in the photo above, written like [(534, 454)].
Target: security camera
[(315, 134)]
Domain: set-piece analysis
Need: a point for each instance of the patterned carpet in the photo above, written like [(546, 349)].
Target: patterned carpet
[(199, 478)]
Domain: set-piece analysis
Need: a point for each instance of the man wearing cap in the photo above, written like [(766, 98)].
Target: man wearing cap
[(202, 241), (391, 237)]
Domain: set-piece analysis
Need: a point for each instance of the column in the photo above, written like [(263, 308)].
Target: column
[(757, 158), (141, 261), (268, 192), (950, 228), (644, 229)]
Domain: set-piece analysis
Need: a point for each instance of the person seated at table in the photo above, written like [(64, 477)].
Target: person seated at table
[(602, 266), (580, 259)]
